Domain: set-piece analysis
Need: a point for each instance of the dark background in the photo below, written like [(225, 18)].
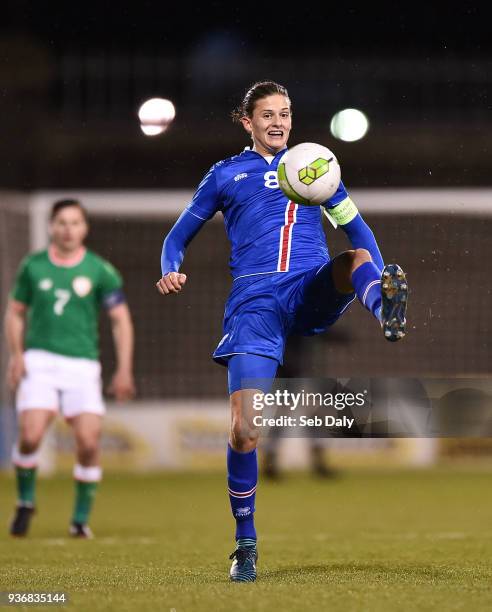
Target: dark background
[(72, 76)]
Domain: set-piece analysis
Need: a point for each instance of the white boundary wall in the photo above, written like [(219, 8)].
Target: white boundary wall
[(170, 203)]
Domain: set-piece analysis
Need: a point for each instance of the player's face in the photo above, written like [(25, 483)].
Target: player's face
[(68, 229), (270, 124)]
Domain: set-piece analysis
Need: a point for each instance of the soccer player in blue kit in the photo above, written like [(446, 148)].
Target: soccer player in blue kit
[(284, 281)]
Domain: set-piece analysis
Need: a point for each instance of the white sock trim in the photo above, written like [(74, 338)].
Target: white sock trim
[(24, 461), (368, 288), (92, 473)]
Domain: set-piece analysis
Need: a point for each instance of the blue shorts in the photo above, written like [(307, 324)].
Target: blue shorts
[(263, 310)]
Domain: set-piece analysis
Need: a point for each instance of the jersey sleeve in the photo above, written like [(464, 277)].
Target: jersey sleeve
[(342, 211), (175, 243), (110, 286), (206, 200), (22, 289), (341, 194), (203, 206)]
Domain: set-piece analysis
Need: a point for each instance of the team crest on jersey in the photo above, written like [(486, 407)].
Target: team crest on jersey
[(45, 284), (82, 285)]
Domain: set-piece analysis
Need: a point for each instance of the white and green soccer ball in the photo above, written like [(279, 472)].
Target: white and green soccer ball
[(309, 174)]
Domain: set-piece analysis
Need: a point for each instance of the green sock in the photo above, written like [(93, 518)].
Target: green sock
[(26, 484), (84, 497)]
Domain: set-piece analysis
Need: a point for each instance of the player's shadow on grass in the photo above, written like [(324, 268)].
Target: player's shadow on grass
[(383, 573)]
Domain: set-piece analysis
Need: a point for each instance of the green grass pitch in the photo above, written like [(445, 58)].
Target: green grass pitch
[(402, 540)]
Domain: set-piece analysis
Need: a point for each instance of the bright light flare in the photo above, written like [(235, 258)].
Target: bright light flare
[(349, 125), (156, 115)]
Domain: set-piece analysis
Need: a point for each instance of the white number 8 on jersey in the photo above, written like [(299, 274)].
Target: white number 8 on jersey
[(271, 180)]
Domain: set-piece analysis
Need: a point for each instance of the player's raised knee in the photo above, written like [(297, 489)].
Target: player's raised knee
[(352, 258), (361, 256)]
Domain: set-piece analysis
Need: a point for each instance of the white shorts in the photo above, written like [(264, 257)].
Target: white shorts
[(54, 382)]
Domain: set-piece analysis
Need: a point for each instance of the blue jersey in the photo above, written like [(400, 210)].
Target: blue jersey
[(268, 233)]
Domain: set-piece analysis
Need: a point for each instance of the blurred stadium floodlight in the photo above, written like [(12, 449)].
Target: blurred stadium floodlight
[(349, 125), (153, 130), (156, 115)]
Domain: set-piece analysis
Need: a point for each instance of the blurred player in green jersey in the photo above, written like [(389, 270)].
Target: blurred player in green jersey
[(51, 326)]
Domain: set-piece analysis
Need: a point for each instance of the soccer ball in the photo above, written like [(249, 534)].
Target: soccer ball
[(309, 174)]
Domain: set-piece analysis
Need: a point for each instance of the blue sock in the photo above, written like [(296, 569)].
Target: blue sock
[(242, 477), (366, 281)]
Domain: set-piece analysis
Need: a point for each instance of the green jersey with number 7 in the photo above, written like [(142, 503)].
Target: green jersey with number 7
[(64, 302)]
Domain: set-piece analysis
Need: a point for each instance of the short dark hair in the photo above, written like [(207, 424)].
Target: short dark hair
[(61, 204), (256, 92)]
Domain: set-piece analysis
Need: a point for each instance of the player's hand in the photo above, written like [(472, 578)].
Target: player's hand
[(122, 386), (172, 282), (15, 371)]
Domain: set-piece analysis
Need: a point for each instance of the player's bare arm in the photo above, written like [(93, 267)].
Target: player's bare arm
[(172, 282), (14, 332), (122, 384)]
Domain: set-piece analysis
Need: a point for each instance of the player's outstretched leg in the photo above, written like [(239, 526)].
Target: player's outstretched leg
[(366, 281), (87, 472), (86, 482), (383, 294), (242, 461), (242, 468), (25, 457), (394, 296), (25, 472)]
